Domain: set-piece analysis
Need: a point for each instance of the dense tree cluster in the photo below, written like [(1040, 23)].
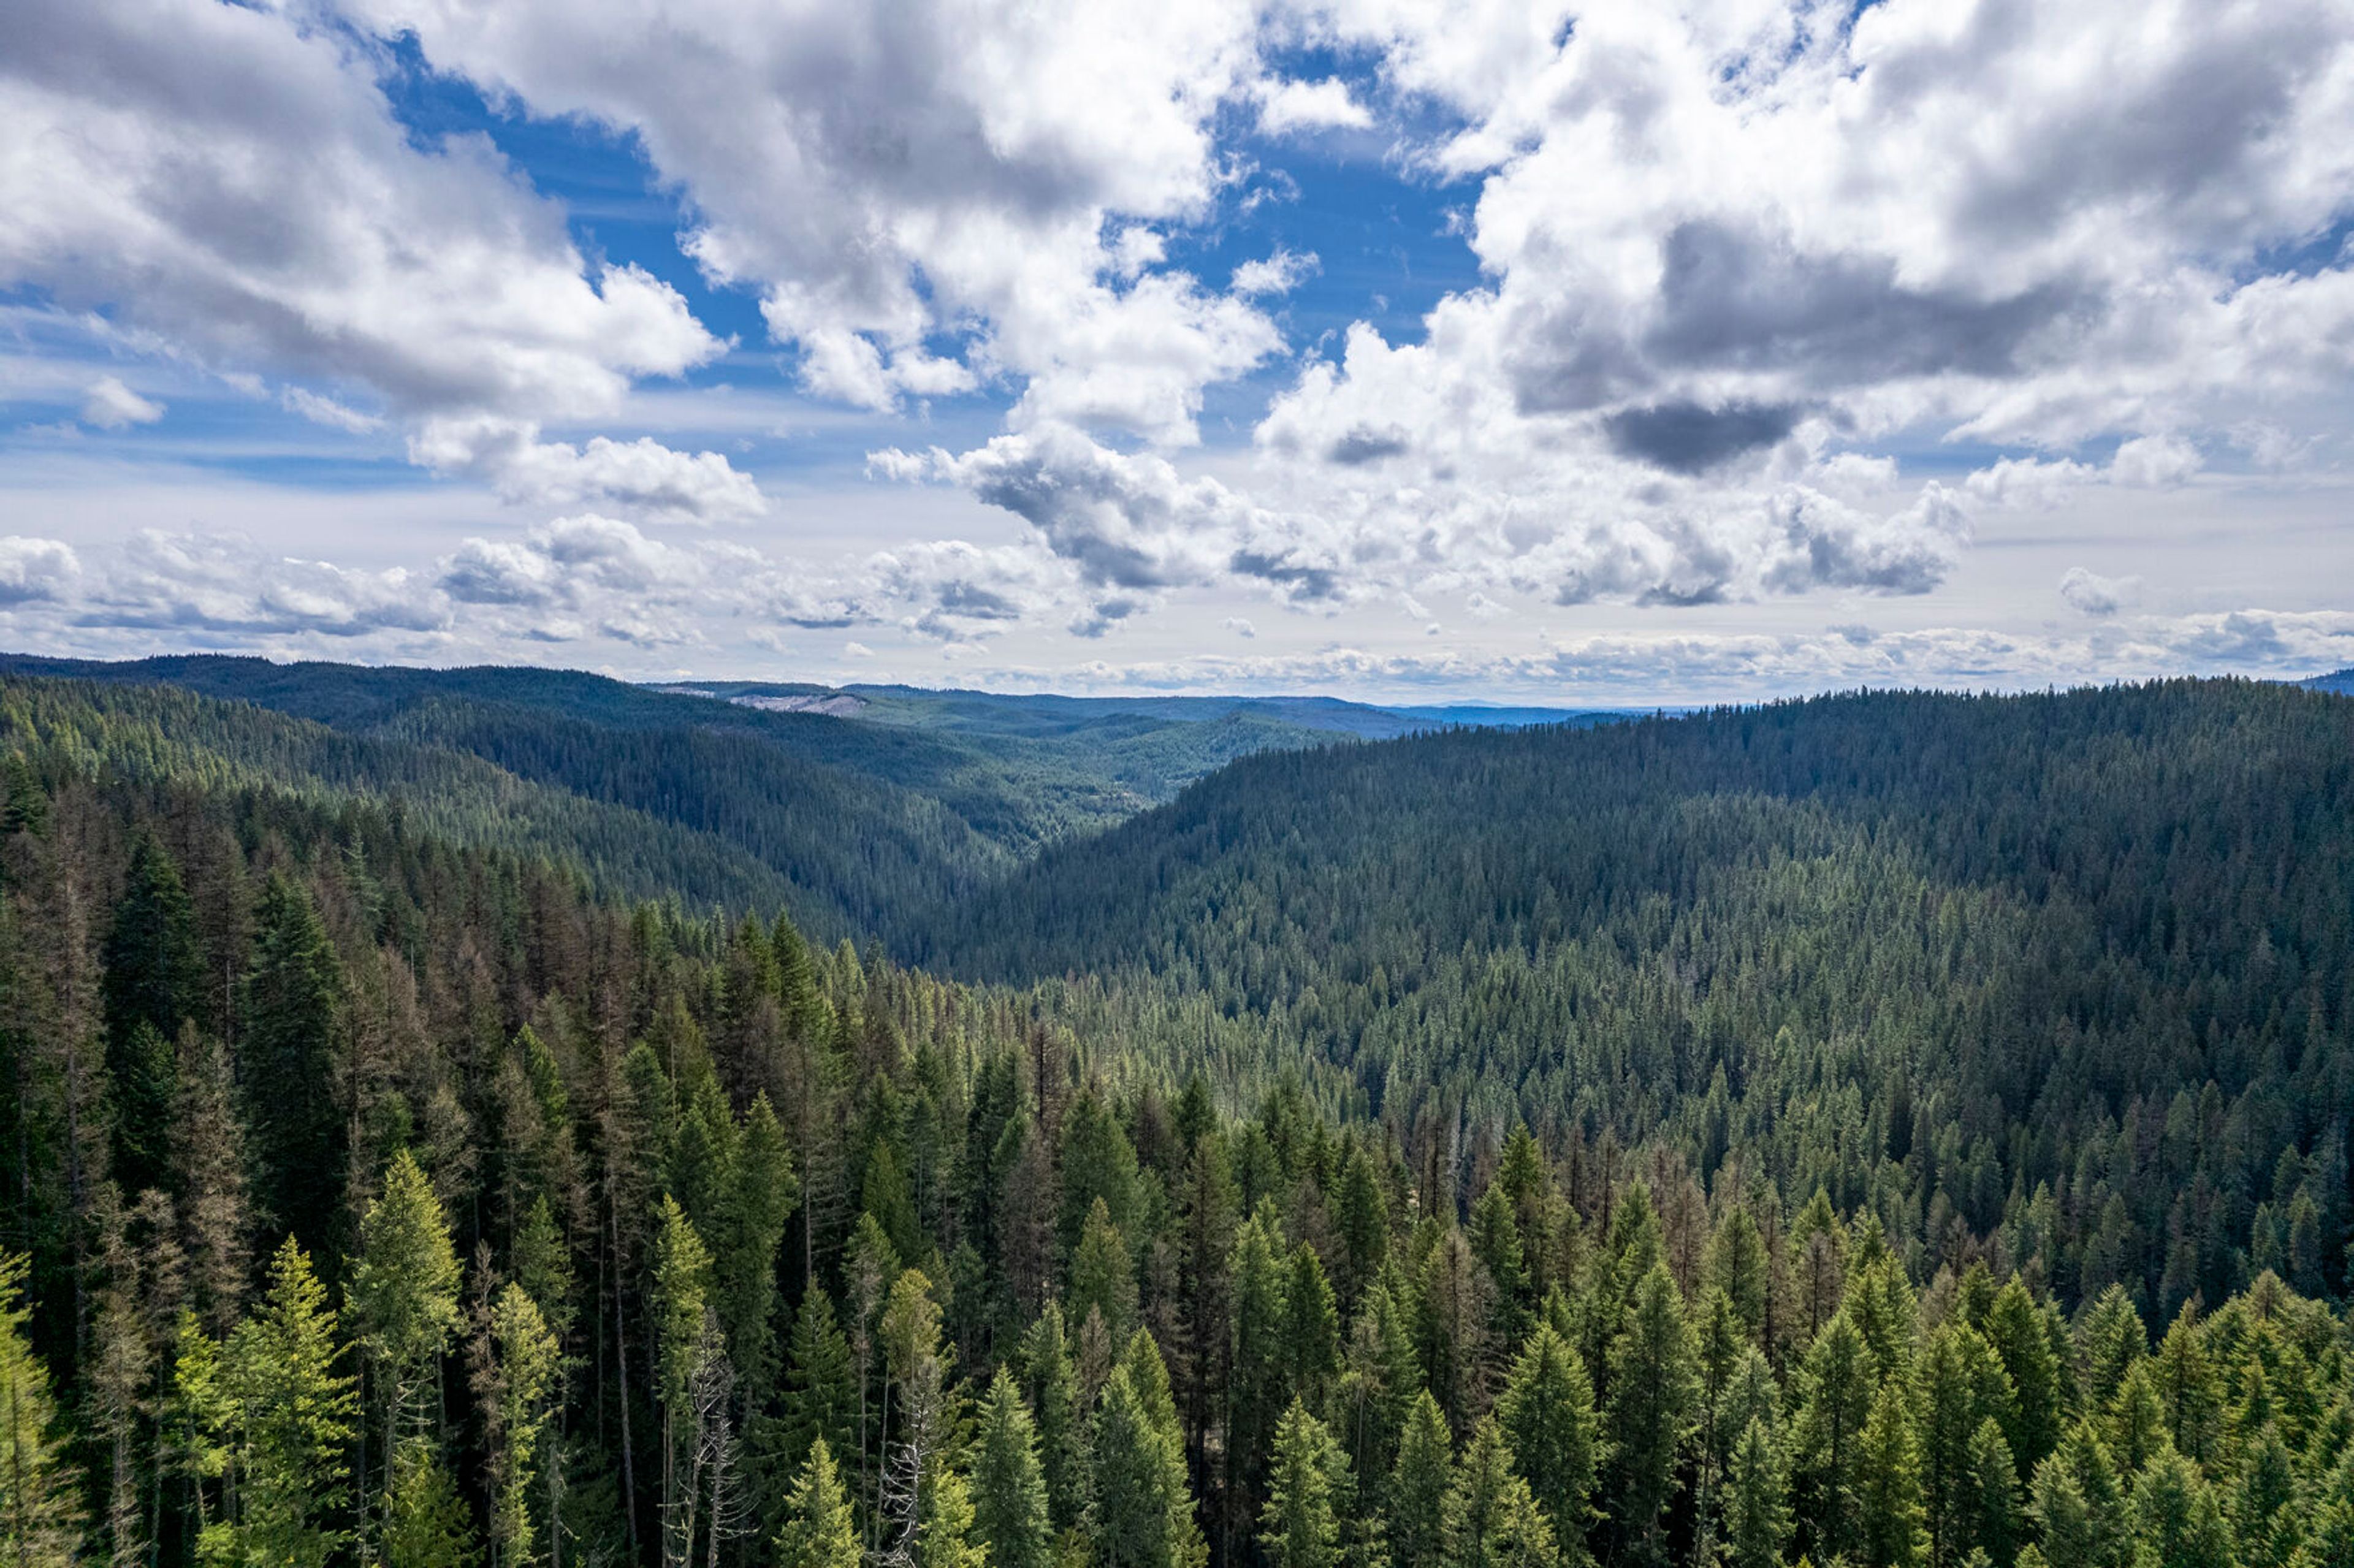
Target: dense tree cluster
[(376, 1197)]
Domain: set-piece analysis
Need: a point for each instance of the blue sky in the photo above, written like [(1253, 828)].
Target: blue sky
[(1522, 350)]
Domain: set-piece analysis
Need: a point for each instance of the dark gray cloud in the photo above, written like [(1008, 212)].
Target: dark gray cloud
[(1733, 299), (1363, 444), (1687, 438)]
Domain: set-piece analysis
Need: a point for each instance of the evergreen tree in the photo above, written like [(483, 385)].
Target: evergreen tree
[(1491, 1519), (425, 1524), (2177, 1521), (1103, 1276), (1756, 1514), (1052, 1386), (819, 1529), (820, 1394), (1546, 1413), (1654, 1389), (1890, 1513), (153, 983), (403, 1297), (1308, 1491), (40, 1514), (1835, 1394), (1419, 1487), (1011, 1516), (290, 1414), (518, 1365), (287, 1052), (1141, 1514), (1310, 1342)]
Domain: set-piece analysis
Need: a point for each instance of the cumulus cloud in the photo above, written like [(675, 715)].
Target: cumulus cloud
[(34, 569), (2088, 593), (642, 477), (924, 196), (1291, 106), (111, 406), (1278, 273), (221, 584), (228, 183)]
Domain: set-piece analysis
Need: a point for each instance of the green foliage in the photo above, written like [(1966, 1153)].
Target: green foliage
[(819, 1529), (1011, 1518), (40, 1516)]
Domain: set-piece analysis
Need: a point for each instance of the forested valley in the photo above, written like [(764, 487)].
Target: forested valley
[(1890, 1129)]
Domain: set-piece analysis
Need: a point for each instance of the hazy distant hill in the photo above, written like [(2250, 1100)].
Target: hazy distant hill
[(2336, 680)]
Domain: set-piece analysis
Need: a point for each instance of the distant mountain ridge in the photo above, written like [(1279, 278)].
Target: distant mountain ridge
[(2340, 681), (861, 801)]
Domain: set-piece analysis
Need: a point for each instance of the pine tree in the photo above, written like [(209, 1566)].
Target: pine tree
[(1889, 1484), (1140, 1515), (403, 1297), (1547, 1415), (1011, 1516), (1052, 1387), (1257, 1389), (1756, 1515), (2178, 1522), (40, 1512), (153, 983), (1992, 1525), (820, 1394), (819, 1530), (2015, 1328), (1103, 1276), (2067, 1535), (1418, 1486), (426, 1523), (1312, 1326), (519, 1364), (1654, 1389), (287, 1053), (1308, 1492), (1835, 1392), (290, 1413), (209, 1167), (687, 1351), (1491, 1519)]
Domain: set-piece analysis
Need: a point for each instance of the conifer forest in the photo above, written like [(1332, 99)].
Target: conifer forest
[(474, 1122)]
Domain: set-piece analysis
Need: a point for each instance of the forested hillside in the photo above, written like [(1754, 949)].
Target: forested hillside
[(1892, 1131)]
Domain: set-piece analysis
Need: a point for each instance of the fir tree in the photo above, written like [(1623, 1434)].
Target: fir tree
[(1654, 1389), (290, 1414), (425, 1524), (1888, 1484), (1756, 1516), (1141, 1514), (1491, 1519), (1307, 1493), (1547, 1416), (403, 1296), (1011, 1516), (153, 983), (819, 1530), (40, 1512), (288, 1051), (1418, 1486)]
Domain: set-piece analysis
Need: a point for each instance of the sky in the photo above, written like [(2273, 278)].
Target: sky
[(1611, 354)]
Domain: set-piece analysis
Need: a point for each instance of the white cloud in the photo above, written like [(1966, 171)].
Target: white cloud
[(642, 477), (227, 185), (925, 194), (322, 410), (1278, 273), (2088, 593), (34, 569), (111, 406), (1286, 108)]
